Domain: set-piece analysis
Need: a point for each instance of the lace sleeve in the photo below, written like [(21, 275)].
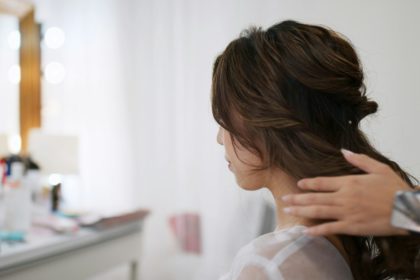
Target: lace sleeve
[(289, 255)]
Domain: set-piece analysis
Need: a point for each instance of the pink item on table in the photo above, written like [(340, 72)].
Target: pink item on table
[(186, 228)]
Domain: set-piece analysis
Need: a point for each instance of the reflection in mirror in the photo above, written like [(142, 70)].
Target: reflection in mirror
[(9, 75)]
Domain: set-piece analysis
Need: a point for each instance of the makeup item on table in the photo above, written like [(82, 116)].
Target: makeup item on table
[(12, 236), (55, 197), (3, 172), (17, 198), (32, 177), (57, 223), (187, 230)]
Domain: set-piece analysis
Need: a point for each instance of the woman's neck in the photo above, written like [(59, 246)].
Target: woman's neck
[(281, 184)]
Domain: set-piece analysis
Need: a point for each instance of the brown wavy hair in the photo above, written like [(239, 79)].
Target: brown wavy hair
[(294, 94)]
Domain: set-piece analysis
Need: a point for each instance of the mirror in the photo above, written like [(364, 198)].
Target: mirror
[(22, 14), (9, 75)]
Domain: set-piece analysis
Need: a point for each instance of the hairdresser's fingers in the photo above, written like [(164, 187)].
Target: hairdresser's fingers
[(328, 228), (310, 199), (366, 163), (314, 212), (325, 184)]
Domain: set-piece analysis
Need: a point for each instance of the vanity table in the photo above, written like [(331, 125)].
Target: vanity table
[(79, 256)]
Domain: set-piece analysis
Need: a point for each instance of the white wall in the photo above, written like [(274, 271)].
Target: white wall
[(138, 92)]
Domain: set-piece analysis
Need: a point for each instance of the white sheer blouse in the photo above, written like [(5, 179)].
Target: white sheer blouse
[(291, 255)]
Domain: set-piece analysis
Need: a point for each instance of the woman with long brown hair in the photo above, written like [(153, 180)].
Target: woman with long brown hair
[(288, 99)]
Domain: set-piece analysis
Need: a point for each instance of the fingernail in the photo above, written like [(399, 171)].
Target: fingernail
[(286, 198), (300, 183), (287, 210), (346, 152), (307, 231)]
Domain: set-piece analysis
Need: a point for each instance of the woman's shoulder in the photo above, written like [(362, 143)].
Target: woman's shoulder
[(289, 254), (271, 243)]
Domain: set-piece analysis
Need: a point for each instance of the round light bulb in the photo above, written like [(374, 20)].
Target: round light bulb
[(54, 37), (15, 144)]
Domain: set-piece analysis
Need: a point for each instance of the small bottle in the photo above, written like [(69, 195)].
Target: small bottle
[(2, 185), (17, 200)]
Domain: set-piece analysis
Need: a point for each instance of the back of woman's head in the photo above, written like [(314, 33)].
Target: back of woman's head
[(294, 94)]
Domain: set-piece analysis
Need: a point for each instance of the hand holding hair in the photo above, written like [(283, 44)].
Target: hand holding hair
[(354, 204)]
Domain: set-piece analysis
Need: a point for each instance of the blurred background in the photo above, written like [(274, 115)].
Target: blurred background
[(130, 81)]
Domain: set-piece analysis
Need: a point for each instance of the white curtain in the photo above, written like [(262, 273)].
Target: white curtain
[(137, 91), (181, 167)]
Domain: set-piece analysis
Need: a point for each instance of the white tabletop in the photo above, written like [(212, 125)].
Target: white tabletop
[(41, 246)]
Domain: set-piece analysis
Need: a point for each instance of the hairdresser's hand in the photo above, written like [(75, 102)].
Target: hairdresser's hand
[(355, 204)]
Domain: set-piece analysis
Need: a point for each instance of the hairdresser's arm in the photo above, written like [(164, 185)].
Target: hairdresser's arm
[(355, 205)]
